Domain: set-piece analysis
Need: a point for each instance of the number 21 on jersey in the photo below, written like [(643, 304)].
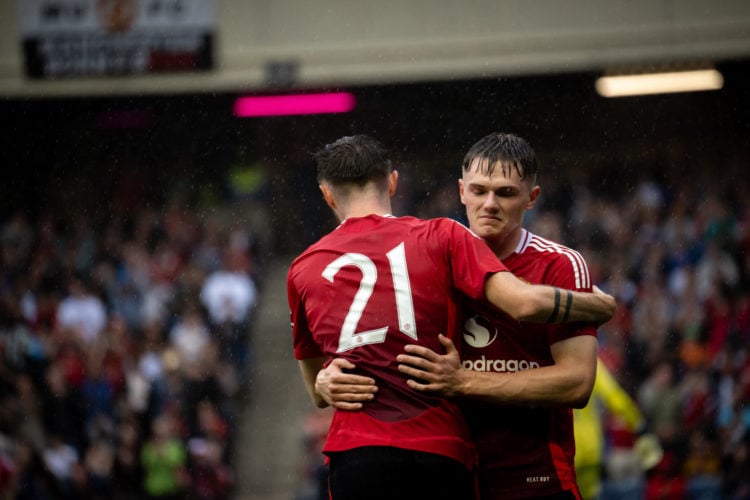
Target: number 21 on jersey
[(349, 336)]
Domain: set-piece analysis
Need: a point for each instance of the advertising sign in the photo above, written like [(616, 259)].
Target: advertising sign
[(69, 38)]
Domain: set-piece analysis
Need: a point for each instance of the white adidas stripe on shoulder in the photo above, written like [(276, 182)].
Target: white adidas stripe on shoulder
[(580, 269)]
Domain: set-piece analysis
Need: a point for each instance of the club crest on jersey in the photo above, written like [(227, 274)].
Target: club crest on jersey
[(479, 332)]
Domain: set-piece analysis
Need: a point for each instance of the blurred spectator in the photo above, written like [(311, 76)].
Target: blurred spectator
[(164, 461), (189, 335), (150, 358), (81, 312), (61, 459), (211, 479), (64, 407), (208, 251), (659, 399), (29, 408), (702, 467), (201, 386), (211, 425), (16, 237), (97, 471), (230, 295), (126, 282), (35, 481), (666, 481), (127, 472), (99, 397), (211, 476)]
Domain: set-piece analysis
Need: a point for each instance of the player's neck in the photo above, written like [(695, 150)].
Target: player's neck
[(363, 208), (503, 247)]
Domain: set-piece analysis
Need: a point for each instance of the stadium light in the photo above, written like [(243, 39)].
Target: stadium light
[(659, 83), (296, 104)]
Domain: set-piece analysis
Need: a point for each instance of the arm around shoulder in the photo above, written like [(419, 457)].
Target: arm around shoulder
[(547, 304)]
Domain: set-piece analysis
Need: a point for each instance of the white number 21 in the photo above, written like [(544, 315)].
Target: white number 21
[(349, 337)]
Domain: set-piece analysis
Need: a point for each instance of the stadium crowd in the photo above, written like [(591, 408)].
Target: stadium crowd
[(124, 348), (677, 258)]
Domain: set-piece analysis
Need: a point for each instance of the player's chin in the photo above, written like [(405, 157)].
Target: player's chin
[(488, 229)]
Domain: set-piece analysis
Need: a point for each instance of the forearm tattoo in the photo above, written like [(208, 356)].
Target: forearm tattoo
[(568, 303), (553, 317)]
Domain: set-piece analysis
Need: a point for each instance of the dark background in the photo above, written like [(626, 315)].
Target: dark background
[(83, 153)]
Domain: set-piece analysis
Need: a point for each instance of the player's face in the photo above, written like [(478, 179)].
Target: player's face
[(495, 204)]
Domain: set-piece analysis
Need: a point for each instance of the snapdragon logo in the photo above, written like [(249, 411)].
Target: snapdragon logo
[(477, 332), (498, 365), (480, 333)]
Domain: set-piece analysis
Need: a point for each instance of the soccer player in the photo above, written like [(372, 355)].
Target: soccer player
[(518, 381), (377, 283)]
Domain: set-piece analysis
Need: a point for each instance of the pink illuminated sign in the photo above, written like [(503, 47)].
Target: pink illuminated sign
[(301, 104)]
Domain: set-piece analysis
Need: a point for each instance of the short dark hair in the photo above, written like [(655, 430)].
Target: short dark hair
[(356, 159), (507, 150)]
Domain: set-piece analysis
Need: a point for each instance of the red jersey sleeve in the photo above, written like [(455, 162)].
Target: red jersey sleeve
[(472, 261), (568, 270), (305, 346)]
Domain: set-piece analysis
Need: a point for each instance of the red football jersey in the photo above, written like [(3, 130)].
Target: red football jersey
[(523, 452), (367, 289)]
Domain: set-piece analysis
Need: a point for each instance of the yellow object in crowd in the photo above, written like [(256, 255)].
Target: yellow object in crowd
[(608, 396)]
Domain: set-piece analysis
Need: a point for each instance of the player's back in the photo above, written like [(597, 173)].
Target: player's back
[(372, 286)]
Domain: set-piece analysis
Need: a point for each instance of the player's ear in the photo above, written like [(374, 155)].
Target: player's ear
[(392, 182), (533, 196), (327, 195)]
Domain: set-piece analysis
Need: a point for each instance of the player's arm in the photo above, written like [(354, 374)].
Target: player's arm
[(342, 390), (568, 382), (547, 304), (309, 369)]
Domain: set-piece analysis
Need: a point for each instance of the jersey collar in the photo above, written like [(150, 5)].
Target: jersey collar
[(523, 241)]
